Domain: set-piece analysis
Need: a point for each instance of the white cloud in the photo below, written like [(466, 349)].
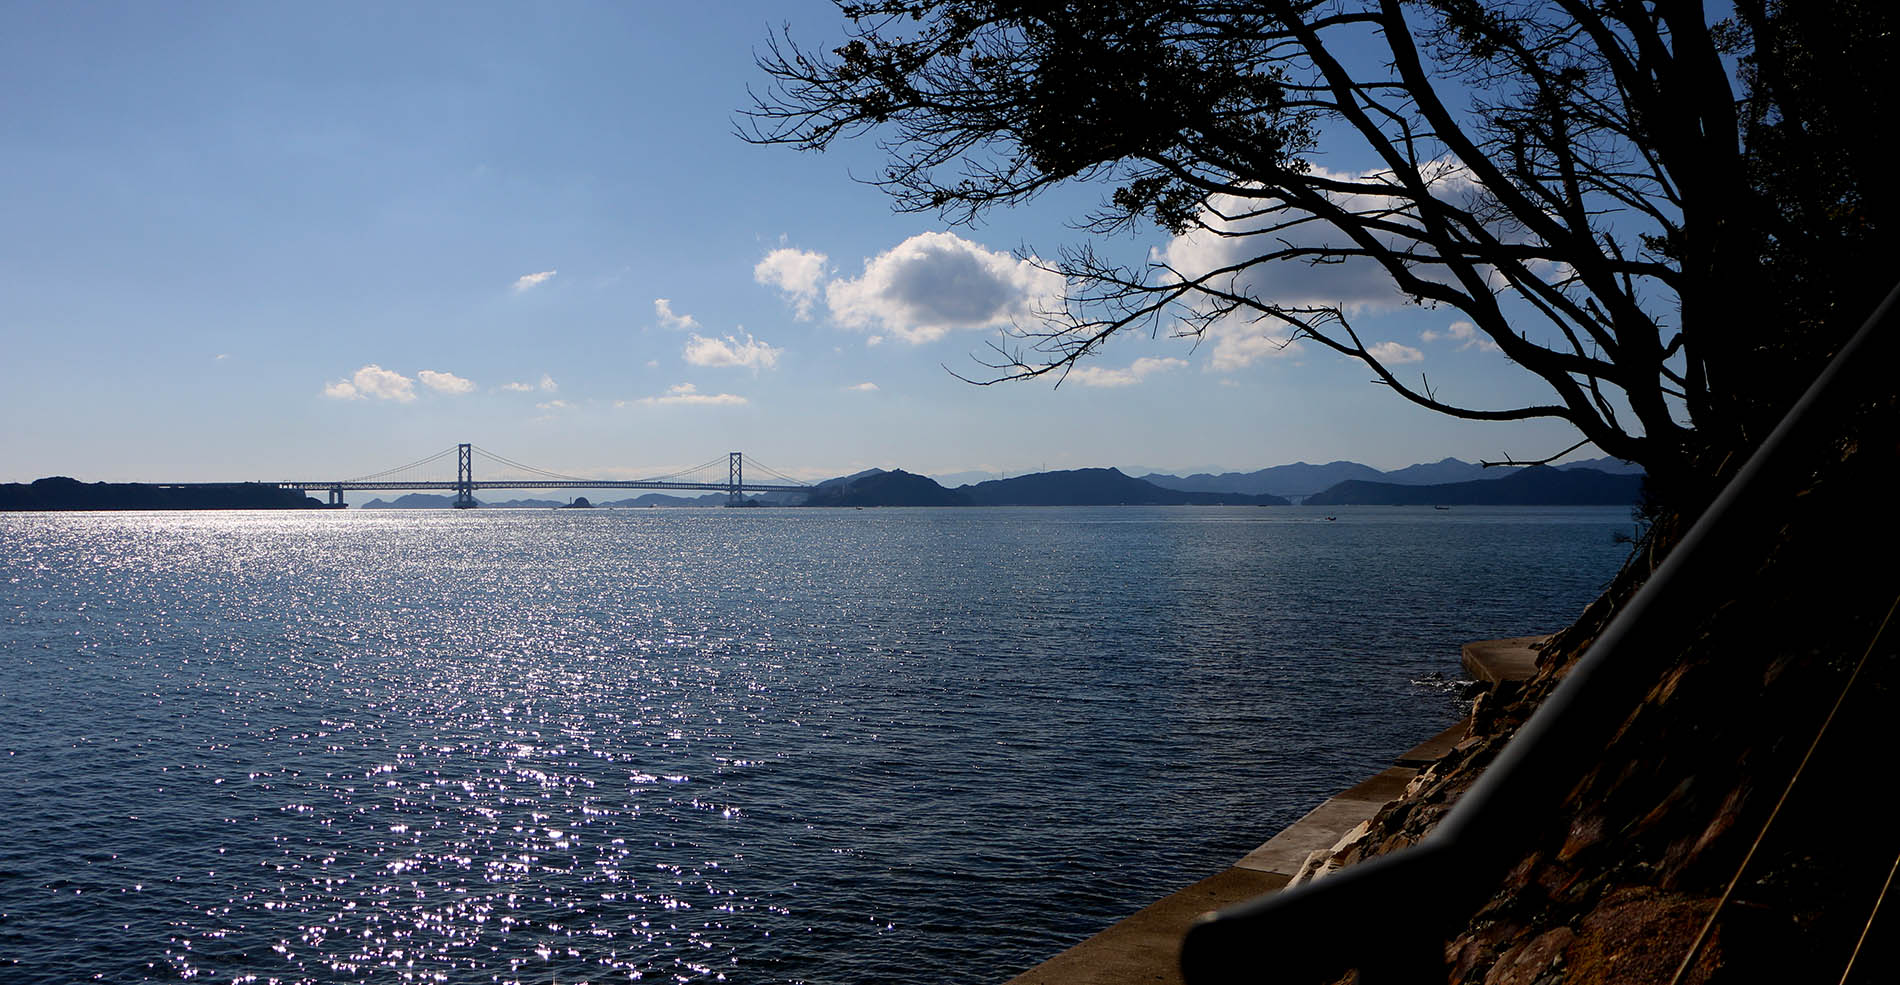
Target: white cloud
[(663, 310), (553, 405), (373, 381), (1393, 354), (729, 351), (795, 272), (1355, 284), (1464, 333), (687, 393), (444, 382), (222, 356), (518, 387), (529, 281), (933, 283), (866, 387), (1130, 375), (1240, 342), (548, 384)]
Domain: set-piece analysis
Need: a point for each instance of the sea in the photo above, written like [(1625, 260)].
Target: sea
[(699, 745)]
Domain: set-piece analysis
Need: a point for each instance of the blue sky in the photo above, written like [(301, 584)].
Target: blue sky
[(263, 241)]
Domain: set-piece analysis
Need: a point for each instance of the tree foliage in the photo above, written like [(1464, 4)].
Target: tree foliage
[(1580, 179)]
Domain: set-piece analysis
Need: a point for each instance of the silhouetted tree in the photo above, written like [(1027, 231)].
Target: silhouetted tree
[(1578, 178)]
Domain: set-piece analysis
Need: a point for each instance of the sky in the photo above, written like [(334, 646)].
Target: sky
[(314, 241)]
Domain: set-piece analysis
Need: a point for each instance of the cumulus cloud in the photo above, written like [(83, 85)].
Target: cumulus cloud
[(553, 405), (444, 382), (530, 281), (1355, 284), (797, 273), (865, 387), (751, 354), (373, 381), (1239, 342), (1465, 334), (663, 310), (1393, 354), (934, 283), (687, 393), (548, 384), (518, 387), (1129, 375)]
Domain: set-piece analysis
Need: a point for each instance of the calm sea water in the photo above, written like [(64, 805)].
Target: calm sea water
[(701, 745)]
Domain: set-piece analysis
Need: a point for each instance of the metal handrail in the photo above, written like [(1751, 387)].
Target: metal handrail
[(1410, 902)]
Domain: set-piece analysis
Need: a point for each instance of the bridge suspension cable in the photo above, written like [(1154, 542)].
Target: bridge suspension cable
[(529, 468), (755, 464), (718, 473), (703, 467), (418, 463)]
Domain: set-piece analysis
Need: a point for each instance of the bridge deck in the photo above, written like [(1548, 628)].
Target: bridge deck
[(451, 485)]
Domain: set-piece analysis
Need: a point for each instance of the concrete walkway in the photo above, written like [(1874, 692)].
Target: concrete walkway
[(1492, 661), (1146, 947)]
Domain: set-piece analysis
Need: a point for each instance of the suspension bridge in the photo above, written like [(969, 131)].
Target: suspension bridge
[(417, 475)]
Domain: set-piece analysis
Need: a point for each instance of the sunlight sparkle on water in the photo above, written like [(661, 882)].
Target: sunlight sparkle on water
[(777, 745)]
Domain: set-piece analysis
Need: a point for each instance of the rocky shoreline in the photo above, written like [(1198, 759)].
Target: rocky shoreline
[(1145, 947), (1715, 828)]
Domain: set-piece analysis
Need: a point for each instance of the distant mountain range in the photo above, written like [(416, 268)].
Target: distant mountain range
[(1536, 485), (1300, 479), (1449, 482), (1530, 486)]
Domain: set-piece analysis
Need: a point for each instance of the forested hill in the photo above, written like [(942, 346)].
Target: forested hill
[(1536, 485), (884, 488)]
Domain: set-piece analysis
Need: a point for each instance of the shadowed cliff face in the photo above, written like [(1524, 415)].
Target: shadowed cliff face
[(1618, 887)]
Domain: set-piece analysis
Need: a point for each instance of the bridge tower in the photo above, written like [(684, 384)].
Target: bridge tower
[(735, 478), (464, 476)]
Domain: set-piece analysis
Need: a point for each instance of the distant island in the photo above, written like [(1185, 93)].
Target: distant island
[(1450, 482)]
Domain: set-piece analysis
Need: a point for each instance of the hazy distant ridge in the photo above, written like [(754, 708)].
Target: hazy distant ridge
[(1536, 485), (1302, 479)]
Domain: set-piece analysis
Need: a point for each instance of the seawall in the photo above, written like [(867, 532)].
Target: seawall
[(1145, 947)]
